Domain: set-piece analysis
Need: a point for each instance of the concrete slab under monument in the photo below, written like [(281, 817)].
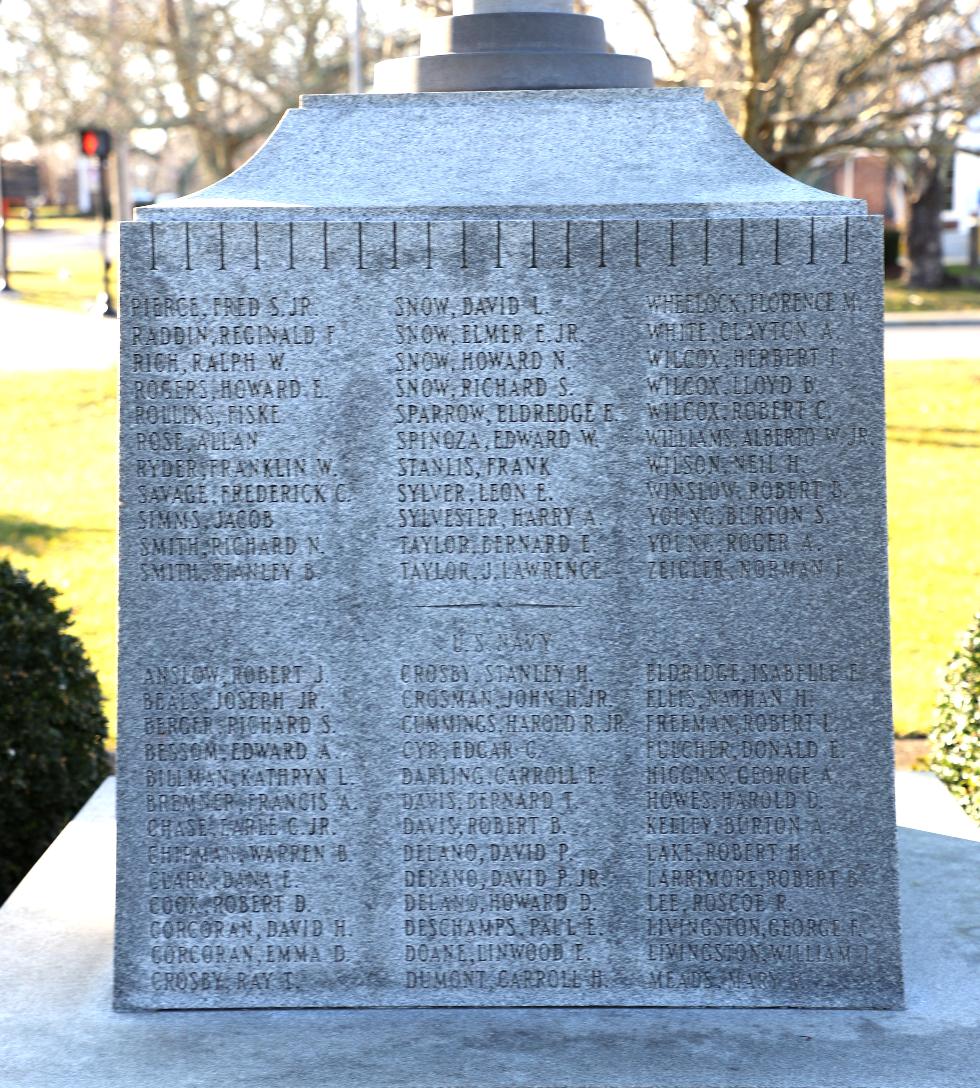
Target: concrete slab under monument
[(58, 1028)]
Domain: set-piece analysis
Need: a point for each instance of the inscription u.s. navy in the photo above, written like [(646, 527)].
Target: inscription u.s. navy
[(503, 615)]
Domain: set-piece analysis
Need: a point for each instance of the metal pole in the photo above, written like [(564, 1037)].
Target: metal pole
[(120, 131), (4, 270), (124, 202), (110, 309), (356, 81)]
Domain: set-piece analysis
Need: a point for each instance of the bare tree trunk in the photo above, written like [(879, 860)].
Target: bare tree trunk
[(755, 63), (925, 241)]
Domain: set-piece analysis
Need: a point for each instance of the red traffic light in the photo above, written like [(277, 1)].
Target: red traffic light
[(95, 141)]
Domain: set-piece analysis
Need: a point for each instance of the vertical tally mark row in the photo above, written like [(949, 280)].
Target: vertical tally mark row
[(571, 243)]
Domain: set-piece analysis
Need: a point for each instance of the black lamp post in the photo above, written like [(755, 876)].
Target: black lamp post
[(4, 269)]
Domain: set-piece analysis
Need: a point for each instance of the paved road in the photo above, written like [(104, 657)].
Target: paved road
[(40, 338), (909, 337)]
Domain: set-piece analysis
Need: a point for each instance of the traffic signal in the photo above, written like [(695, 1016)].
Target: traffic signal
[(95, 141)]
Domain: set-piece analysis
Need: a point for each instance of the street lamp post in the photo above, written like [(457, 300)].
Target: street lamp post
[(110, 309)]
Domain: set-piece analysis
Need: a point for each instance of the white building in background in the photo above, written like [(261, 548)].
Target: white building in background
[(87, 183), (964, 203)]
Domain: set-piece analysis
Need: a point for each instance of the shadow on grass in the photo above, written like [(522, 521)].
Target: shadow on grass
[(27, 537), (49, 287), (956, 437)]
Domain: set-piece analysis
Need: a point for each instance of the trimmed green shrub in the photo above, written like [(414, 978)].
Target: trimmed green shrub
[(956, 730), (52, 728)]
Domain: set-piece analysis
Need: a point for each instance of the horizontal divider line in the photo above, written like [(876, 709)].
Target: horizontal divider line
[(394, 246)]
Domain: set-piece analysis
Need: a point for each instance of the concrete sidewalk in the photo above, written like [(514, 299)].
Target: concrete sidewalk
[(947, 318), (923, 803), (41, 338)]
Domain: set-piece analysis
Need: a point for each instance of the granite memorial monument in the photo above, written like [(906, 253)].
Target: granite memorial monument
[(503, 573)]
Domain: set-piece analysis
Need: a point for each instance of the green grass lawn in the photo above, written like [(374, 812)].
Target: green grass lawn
[(58, 502), (70, 281), (903, 300), (934, 523)]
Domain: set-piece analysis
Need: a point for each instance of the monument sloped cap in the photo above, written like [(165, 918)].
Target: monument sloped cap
[(502, 45), (634, 153)]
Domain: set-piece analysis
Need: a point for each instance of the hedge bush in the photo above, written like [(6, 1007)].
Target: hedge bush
[(956, 730), (52, 727)]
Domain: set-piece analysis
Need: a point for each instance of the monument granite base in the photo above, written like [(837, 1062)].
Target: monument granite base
[(58, 1029)]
